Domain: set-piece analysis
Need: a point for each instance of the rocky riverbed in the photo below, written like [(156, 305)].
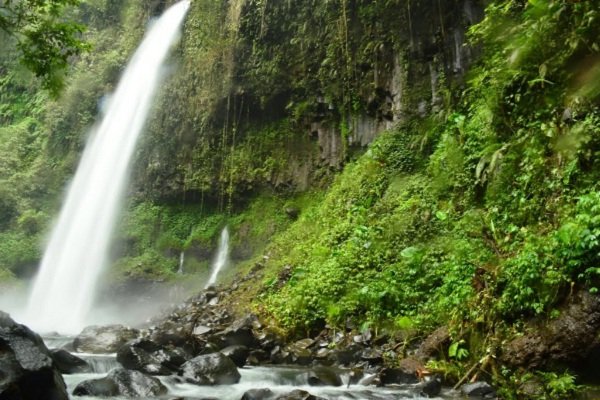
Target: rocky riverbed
[(200, 351)]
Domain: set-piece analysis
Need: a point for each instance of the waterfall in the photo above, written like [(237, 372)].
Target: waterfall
[(181, 260), (221, 259), (77, 250)]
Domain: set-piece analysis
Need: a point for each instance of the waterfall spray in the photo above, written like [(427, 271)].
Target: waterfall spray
[(76, 253)]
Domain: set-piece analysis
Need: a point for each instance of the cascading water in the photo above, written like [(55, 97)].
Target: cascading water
[(77, 251), (181, 261), (222, 256)]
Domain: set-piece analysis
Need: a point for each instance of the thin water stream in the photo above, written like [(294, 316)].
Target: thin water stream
[(221, 259)]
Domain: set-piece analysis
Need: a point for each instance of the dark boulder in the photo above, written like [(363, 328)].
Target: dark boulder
[(431, 387), (238, 354), (27, 371), (102, 387), (258, 394), (147, 356), (397, 376), (210, 369), (67, 363), (121, 382), (257, 357), (103, 339)]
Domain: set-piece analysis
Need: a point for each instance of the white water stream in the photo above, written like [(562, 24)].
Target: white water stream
[(76, 253), (222, 257)]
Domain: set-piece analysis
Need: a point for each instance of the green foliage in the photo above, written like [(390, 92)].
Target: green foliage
[(486, 214), (549, 385), (458, 351), (17, 251), (150, 265), (45, 41)]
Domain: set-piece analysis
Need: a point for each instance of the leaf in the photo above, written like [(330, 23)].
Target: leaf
[(452, 350)]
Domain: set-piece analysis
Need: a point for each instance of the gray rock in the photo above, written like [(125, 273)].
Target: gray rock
[(103, 339), (27, 371), (200, 330), (477, 389), (210, 369), (121, 382)]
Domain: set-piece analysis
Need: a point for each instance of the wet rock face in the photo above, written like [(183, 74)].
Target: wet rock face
[(103, 339), (67, 363), (121, 382), (566, 340), (27, 371), (210, 369)]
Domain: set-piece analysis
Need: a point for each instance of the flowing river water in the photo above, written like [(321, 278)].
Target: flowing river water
[(279, 379)]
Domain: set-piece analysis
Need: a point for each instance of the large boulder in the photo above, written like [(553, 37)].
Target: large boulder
[(67, 363), (122, 382), (210, 369), (147, 356), (27, 371), (103, 339)]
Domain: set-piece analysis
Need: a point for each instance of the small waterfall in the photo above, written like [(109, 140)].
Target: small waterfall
[(77, 250), (222, 256), (181, 260), (100, 363)]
